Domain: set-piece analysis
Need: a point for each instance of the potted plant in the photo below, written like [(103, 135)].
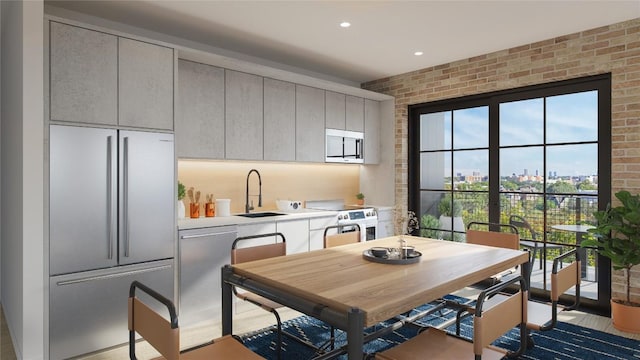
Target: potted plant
[(360, 198), (451, 218), (181, 194), (617, 236)]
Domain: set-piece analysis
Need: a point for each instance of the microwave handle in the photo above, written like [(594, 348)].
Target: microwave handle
[(359, 154)]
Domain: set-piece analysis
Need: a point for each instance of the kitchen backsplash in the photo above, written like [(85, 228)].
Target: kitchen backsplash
[(227, 180)]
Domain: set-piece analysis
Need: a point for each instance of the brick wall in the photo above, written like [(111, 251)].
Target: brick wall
[(614, 48)]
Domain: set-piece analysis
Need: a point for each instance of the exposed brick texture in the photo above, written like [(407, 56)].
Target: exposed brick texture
[(611, 49)]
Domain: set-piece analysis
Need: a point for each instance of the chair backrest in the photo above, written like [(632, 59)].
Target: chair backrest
[(160, 333), (508, 240), (339, 238), (495, 320), (521, 223), (567, 277), (258, 252)]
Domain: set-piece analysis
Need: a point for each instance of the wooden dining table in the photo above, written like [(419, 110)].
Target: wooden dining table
[(341, 287)]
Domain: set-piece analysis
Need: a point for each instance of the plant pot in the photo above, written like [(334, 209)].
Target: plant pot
[(625, 317), (360, 201)]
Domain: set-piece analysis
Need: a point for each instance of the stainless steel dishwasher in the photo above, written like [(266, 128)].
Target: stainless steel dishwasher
[(202, 253)]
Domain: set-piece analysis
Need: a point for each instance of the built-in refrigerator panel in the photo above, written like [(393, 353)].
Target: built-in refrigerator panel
[(83, 199), (146, 196)]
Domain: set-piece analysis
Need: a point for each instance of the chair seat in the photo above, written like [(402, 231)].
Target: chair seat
[(225, 347), (258, 300), (436, 344)]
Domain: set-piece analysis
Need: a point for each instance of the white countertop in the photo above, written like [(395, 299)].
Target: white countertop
[(203, 222)]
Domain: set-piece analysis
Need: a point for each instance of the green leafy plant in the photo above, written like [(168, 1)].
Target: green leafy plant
[(181, 191), (617, 236), (428, 224), (450, 207), (360, 196)]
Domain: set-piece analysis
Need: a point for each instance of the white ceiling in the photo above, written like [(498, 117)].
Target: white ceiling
[(383, 36)]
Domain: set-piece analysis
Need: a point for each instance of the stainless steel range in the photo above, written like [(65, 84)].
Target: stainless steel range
[(365, 217)]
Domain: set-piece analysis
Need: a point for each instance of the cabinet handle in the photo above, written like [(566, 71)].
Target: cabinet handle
[(125, 194), (111, 276), (109, 198), (185, 237)]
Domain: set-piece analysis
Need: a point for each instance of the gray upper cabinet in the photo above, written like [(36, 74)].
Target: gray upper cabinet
[(83, 75), (335, 110), (355, 113), (371, 131), (279, 120), (310, 127), (243, 116), (200, 111), (146, 85)]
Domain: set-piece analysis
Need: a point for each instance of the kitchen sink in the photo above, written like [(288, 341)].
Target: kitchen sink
[(261, 214)]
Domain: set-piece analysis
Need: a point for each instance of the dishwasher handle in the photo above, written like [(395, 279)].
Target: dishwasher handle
[(196, 236)]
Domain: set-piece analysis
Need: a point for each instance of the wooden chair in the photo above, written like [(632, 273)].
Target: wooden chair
[(251, 253), (339, 238), (164, 335), (533, 244), (492, 319)]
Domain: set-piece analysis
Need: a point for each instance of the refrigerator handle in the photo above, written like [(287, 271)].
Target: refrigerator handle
[(110, 197), (125, 194)]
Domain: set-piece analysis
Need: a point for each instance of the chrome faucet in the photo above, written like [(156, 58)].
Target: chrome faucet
[(248, 207)]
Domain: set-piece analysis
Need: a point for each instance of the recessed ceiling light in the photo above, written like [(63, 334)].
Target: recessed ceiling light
[(418, 53), (345, 24)]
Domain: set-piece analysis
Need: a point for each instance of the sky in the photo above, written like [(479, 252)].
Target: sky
[(569, 119)]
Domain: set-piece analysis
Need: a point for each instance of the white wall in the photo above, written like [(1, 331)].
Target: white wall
[(377, 181), (22, 162)]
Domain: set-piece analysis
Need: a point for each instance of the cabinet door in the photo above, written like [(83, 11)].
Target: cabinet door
[(310, 128), (145, 97), (355, 113), (296, 233), (82, 199), (243, 116), (83, 75), (200, 111), (257, 229), (371, 132), (88, 310), (335, 110), (147, 201), (316, 231), (279, 120)]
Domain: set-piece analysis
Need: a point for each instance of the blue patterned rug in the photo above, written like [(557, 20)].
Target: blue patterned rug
[(564, 342)]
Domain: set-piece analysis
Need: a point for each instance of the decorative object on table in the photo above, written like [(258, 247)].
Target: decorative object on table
[(360, 198), (194, 205), (451, 218), (406, 223), (428, 226), (617, 236), (181, 193), (209, 206)]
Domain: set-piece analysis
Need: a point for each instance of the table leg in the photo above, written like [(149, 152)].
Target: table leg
[(227, 312), (355, 334), (583, 256)]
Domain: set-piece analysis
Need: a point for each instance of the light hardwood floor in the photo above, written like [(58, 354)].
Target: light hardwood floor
[(257, 319)]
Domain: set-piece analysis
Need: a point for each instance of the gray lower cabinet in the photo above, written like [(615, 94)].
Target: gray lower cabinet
[(354, 113), (243, 116), (371, 131), (310, 126), (335, 110), (88, 310), (200, 111), (145, 97), (279, 120), (83, 75), (203, 252)]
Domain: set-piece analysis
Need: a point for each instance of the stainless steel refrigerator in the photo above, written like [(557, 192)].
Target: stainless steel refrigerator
[(111, 221)]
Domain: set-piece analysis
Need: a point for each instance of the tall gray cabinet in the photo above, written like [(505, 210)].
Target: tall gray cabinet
[(279, 120), (243, 116), (310, 128), (200, 111), (98, 78)]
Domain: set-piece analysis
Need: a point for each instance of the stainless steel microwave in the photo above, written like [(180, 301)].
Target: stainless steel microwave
[(344, 146)]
